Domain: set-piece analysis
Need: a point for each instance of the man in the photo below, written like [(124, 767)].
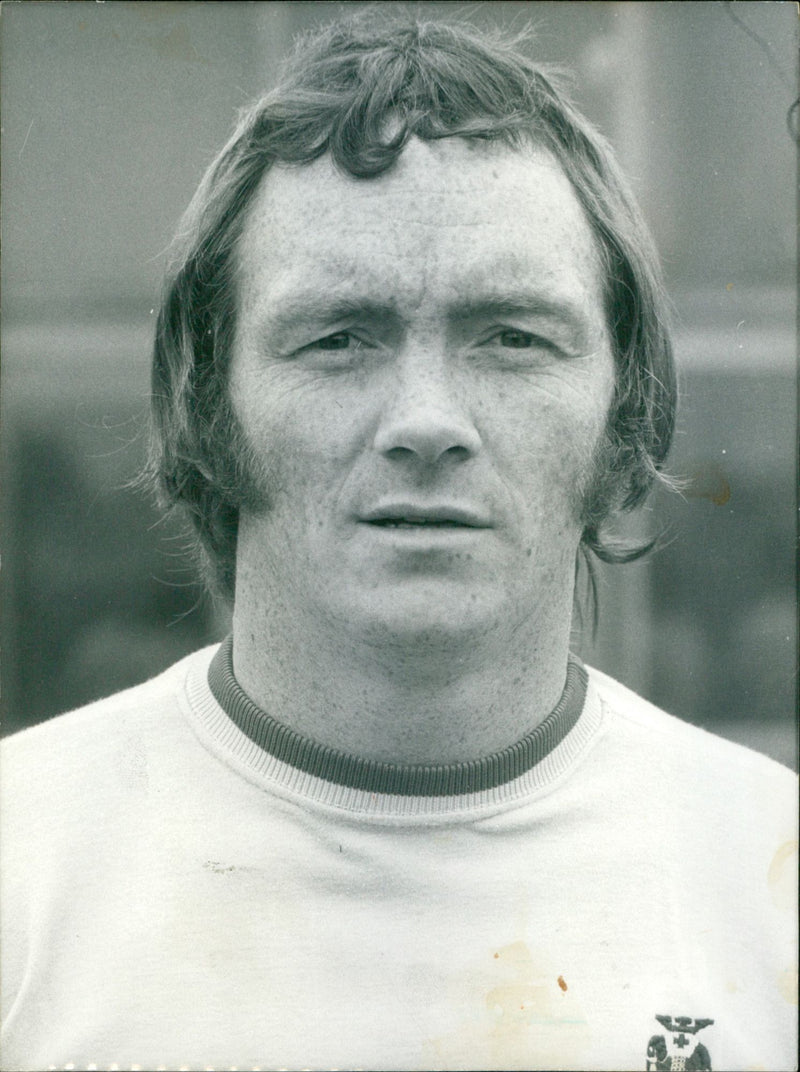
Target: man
[(410, 360)]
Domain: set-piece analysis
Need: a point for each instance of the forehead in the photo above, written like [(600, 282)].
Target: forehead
[(451, 217)]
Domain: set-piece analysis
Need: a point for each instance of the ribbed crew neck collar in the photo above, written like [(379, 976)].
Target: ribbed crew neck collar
[(354, 772)]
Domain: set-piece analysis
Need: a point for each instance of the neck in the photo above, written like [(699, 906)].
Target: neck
[(415, 699)]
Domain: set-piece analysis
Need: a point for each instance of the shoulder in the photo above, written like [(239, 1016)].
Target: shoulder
[(88, 789), (85, 750), (707, 806), (140, 698), (692, 774), (641, 725), (727, 801)]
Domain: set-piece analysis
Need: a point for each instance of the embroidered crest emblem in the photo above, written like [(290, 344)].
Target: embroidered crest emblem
[(669, 1053)]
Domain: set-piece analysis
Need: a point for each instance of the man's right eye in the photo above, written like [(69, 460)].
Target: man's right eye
[(340, 340)]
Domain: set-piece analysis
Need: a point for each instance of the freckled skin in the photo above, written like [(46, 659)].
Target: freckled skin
[(391, 644)]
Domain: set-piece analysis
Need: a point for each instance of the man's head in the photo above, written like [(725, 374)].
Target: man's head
[(358, 93)]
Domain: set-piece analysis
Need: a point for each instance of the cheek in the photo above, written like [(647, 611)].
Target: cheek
[(297, 444), (553, 436)]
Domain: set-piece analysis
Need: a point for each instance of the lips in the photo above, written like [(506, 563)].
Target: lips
[(415, 515), (415, 522)]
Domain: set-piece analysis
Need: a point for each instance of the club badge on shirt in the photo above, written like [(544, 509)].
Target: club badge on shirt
[(671, 1052)]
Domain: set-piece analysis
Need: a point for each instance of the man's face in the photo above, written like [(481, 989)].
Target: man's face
[(423, 371)]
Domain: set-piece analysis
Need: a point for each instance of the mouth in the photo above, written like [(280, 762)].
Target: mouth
[(428, 518), (416, 522)]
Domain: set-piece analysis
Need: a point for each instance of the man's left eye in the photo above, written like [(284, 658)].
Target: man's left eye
[(516, 339)]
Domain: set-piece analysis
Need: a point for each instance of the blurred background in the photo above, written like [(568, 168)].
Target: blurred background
[(110, 114)]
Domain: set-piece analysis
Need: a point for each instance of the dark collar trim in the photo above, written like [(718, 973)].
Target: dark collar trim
[(341, 768)]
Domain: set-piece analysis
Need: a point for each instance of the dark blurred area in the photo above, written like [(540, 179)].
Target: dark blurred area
[(110, 114)]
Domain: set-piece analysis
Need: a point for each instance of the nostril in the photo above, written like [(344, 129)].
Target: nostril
[(398, 453), (459, 451), (429, 450), (427, 434)]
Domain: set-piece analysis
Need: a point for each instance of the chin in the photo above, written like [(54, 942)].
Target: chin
[(426, 618)]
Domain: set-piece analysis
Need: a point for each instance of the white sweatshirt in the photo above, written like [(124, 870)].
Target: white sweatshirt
[(176, 897)]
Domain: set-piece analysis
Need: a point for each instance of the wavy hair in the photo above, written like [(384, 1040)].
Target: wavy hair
[(358, 90)]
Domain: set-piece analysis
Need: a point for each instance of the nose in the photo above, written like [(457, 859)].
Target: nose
[(426, 416)]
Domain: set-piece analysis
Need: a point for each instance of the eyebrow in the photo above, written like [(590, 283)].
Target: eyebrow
[(306, 308), (314, 308), (525, 303)]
